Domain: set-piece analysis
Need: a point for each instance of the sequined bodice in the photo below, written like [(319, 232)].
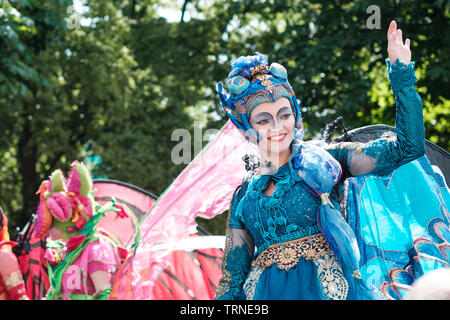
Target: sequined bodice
[(289, 213)]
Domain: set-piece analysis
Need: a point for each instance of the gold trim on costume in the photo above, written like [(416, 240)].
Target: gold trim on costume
[(259, 70), (325, 197), (288, 255), (13, 279), (224, 284), (224, 281), (251, 282), (331, 277), (262, 96)]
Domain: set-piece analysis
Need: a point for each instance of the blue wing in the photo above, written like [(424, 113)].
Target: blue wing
[(401, 222)]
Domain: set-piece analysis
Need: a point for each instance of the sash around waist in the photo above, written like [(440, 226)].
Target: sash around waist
[(288, 254)]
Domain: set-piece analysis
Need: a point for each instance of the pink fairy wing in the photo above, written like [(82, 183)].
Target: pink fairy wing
[(130, 197), (194, 272), (204, 188)]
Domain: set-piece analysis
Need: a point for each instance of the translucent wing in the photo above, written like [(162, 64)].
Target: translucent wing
[(136, 202), (194, 271), (204, 188)]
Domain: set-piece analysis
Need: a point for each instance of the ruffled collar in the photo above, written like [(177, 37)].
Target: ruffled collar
[(283, 178), (281, 174), (283, 181)]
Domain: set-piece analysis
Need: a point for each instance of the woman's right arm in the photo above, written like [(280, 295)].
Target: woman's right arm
[(237, 258)]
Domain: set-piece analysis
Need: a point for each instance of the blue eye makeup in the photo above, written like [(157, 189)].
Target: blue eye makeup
[(265, 118)]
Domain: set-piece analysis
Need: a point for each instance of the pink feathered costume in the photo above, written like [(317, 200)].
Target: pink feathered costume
[(69, 207)]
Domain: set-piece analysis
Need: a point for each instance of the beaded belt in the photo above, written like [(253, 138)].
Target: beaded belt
[(288, 255)]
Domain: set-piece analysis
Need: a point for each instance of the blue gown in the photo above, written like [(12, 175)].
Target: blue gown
[(274, 249)]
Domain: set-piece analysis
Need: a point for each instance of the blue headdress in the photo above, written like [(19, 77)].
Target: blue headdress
[(252, 82)]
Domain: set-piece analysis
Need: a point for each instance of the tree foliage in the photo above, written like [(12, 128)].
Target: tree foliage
[(124, 77)]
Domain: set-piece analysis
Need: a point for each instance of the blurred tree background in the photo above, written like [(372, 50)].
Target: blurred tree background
[(115, 78)]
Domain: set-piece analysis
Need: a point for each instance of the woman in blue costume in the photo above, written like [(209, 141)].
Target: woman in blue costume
[(286, 236)]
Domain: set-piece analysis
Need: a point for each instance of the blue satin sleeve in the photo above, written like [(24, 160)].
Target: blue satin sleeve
[(237, 257), (382, 156)]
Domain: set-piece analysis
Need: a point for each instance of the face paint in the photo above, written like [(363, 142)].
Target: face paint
[(265, 119), (274, 122)]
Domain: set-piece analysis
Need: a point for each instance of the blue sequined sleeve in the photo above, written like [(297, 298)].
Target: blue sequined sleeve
[(382, 156), (237, 257)]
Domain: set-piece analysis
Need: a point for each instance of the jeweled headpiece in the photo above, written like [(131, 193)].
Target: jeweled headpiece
[(252, 82)]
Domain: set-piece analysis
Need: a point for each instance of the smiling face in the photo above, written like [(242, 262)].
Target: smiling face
[(275, 123)]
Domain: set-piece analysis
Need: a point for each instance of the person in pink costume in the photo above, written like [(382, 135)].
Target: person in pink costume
[(82, 259), (12, 286)]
